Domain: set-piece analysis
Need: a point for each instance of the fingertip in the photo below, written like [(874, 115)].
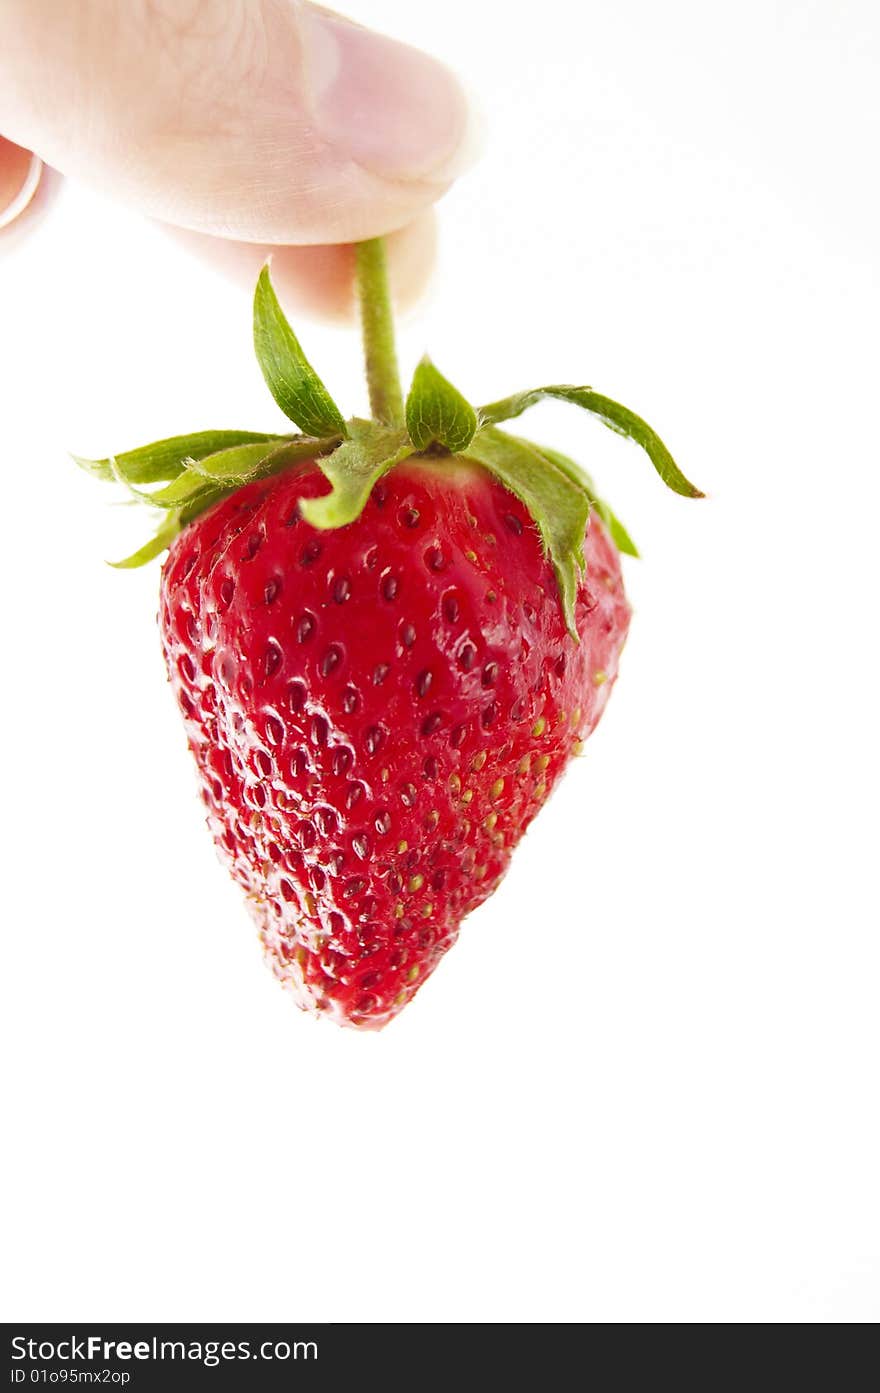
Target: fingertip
[(290, 125), (392, 109), (413, 255), (21, 174), (318, 281)]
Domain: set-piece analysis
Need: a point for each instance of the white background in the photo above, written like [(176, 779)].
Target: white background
[(643, 1087)]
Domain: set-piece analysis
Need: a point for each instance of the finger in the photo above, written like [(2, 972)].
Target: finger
[(20, 175), (320, 280), (262, 120)]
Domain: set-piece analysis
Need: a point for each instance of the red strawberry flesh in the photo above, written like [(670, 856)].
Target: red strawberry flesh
[(378, 712)]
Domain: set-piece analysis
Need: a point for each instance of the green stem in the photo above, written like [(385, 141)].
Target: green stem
[(377, 327)]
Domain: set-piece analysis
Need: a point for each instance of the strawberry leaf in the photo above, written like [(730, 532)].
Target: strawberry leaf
[(169, 529), (619, 535), (204, 482), (353, 469), (236, 466), (184, 489), (246, 462), (289, 375), (152, 464), (616, 417), (435, 411), (558, 503)]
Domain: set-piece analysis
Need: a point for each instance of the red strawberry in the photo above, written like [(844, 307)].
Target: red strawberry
[(381, 682), (378, 712)]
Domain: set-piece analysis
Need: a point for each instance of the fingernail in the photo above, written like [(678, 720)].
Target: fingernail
[(395, 111), (20, 173)]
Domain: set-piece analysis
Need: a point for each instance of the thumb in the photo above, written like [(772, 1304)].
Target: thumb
[(264, 120)]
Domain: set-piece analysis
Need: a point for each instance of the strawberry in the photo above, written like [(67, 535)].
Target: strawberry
[(378, 711), (387, 639)]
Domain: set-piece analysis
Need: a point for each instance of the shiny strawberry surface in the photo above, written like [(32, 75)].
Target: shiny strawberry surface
[(378, 712)]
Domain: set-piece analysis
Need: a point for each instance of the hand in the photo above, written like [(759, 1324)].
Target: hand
[(261, 122)]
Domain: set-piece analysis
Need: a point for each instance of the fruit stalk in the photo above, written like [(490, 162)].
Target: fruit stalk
[(377, 329)]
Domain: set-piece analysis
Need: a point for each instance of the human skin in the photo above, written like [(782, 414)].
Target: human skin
[(245, 125)]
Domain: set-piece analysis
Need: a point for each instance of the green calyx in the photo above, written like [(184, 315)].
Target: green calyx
[(196, 471)]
